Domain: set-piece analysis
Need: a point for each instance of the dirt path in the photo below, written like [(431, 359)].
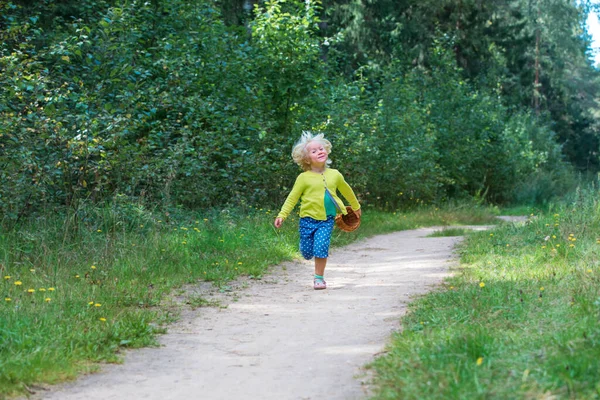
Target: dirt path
[(280, 339)]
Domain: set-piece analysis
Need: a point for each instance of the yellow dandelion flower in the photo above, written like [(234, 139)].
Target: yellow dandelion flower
[(205, 219), (41, 289), (97, 305), (555, 224), (451, 287), (7, 299), (51, 289), (542, 289), (553, 236), (18, 283), (556, 215), (184, 229), (102, 319), (184, 242), (91, 303), (558, 245), (589, 270), (99, 230), (491, 234), (571, 245), (240, 263), (543, 247), (7, 277), (507, 245), (47, 299), (32, 270), (30, 290), (93, 267), (481, 284), (141, 225), (76, 276), (480, 361)]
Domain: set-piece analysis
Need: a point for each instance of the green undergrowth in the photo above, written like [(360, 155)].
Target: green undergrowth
[(519, 319), (78, 289)]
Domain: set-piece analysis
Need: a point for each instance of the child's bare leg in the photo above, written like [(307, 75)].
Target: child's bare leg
[(320, 264)]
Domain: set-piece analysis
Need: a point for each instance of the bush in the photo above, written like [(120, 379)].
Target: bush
[(166, 105)]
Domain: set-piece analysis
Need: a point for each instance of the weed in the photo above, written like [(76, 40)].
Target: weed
[(197, 301), (450, 232)]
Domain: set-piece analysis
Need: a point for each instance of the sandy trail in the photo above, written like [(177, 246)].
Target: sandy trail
[(280, 339)]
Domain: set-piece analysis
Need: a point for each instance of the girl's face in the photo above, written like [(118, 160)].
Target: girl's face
[(317, 155)]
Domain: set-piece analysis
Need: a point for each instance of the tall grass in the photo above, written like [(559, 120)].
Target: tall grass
[(520, 319), (76, 289)]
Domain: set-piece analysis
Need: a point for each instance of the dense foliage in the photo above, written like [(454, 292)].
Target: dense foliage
[(173, 103)]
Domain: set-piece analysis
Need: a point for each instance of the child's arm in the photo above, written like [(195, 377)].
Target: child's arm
[(349, 195), (290, 203)]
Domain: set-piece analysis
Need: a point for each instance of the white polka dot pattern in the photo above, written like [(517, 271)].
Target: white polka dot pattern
[(315, 236)]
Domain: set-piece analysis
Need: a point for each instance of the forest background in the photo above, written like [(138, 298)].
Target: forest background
[(176, 103)]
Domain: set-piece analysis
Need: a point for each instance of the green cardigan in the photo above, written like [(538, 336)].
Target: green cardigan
[(309, 188)]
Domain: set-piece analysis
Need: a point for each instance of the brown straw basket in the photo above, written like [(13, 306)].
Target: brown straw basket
[(349, 222)]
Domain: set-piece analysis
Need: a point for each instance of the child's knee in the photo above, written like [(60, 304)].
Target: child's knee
[(306, 253), (322, 252)]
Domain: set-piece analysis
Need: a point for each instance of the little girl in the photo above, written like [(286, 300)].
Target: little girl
[(316, 188)]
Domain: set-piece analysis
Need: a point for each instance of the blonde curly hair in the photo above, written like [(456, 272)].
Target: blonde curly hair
[(299, 153)]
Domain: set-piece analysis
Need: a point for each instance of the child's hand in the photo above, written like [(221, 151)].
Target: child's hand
[(278, 222), (358, 212)]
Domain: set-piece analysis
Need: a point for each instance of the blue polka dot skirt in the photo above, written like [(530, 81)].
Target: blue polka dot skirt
[(315, 236)]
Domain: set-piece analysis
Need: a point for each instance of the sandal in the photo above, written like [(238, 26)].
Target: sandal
[(320, 284)]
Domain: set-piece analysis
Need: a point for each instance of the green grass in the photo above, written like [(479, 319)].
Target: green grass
[(76, 290), (520, 319), (520, 210), (450, 232), (197, 301)]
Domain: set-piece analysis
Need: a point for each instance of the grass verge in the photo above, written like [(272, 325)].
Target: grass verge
[(520, 318), (76, 290)]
